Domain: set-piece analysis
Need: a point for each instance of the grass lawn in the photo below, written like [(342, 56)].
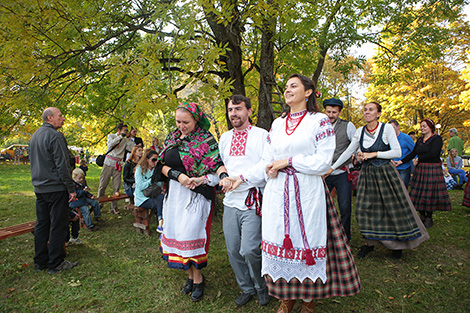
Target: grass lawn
[(122, 271)]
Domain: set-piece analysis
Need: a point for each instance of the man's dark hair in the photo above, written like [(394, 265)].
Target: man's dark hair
[(237, 99), (412, 133), (121, 126), (394, 122)]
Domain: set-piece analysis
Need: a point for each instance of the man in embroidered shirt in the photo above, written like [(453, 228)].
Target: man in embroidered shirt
[(112, 166), (241, 149), (338, 179)]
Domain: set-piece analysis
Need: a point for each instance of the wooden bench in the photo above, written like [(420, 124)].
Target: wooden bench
[(17, 230), (28, 227), (105, 199), (142, 219)]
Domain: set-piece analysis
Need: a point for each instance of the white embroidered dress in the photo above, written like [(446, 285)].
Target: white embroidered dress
[(311, 147)]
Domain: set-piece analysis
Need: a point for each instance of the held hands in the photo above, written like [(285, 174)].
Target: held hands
[(397, 163), (230, 183), (273, 169), (364, 156), (190, 183)]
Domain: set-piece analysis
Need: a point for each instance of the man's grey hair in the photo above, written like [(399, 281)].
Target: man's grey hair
[(454, 130), (47, 112)]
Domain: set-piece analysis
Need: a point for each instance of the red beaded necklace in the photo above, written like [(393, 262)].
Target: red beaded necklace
[(372, 130), (290, 122)]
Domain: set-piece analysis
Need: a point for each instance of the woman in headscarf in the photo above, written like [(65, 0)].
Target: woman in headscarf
[(428, 189), (190, 152)]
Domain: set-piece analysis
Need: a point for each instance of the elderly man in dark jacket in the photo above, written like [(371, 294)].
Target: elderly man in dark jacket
[(54, 189)]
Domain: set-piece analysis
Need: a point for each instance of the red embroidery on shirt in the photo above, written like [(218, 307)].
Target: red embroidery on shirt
[(239, 139)]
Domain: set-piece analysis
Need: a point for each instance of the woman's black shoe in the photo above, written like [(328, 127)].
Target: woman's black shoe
[(396, 254), (188, 287), (365, 249), (198, 291)]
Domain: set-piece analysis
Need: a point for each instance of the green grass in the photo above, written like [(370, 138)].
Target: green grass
[(122, 271)]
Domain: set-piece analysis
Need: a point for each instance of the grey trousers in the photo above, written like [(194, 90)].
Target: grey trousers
[(106, 173), (242, 231)]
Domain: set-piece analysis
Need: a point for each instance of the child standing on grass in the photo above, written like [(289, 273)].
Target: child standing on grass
[(74, 219), (85, 199)]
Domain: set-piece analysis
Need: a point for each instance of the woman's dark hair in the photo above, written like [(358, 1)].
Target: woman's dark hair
[(378, 106), (143, 163), (430, 123), (312, 106)]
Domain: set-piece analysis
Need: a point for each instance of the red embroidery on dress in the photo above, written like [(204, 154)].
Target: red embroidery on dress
[(294, 254), (183, 245), (239, 139)]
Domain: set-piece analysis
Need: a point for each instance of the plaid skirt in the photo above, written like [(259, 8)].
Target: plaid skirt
[(466, 195), (428, 189), (383, 211), (341, 272)]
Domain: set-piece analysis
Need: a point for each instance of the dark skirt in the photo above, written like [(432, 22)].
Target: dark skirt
[(428, 189), (341, 272), (466, 195), (383, 212)]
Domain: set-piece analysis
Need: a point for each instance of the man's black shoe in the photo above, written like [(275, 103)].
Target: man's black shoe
[(243, 299)]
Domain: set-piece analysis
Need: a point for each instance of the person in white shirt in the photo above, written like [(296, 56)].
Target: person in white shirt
[(113, 162), (241, 149), (384, 212)]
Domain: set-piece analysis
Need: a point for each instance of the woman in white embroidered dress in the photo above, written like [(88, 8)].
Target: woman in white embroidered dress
[(300, 227)]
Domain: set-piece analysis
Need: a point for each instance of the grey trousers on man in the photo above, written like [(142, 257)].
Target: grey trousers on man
[(106, 173), (242, 231)]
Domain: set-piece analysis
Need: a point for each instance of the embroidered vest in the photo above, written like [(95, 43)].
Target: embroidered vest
[(378, 145)]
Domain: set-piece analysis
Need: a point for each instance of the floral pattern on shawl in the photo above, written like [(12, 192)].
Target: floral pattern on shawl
[(198, 151)]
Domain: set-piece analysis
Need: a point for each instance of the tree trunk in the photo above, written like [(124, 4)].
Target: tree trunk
[(266, 73)]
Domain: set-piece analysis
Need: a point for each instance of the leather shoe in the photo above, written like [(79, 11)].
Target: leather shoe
[(198, 291), (365, 249), (65, 265), (263, 297), (188, 287), (243, 299)]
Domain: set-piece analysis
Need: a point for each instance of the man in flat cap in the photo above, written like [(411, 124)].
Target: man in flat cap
[(344, 131), (455, 142)]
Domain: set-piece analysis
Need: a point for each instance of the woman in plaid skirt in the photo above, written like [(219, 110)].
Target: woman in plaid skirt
[(304, 250), (466, 194), (428, 189), (384, 211)]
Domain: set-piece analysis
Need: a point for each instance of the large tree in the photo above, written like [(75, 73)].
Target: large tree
[(423, 85), (111, 60)]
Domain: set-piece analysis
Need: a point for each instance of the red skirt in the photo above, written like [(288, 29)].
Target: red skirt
[(428, 189), (341, 272)]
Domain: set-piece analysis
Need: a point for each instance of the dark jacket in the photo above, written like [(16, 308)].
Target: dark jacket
[(49, 156), (81, 196), (128, 174)]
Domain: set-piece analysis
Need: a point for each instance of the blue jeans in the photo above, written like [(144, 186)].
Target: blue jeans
[(343, 191), (154, 204), (461, 173), (405, 176), (130, 192), (95, 206)]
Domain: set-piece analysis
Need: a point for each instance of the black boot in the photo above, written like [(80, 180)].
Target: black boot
[(365, 249), (198, 291), (396, 254), (188, 287)]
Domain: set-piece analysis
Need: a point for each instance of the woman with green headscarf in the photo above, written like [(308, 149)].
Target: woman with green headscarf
[(190, 152)]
